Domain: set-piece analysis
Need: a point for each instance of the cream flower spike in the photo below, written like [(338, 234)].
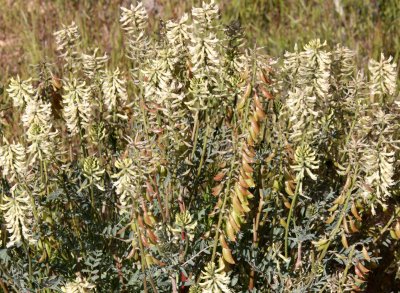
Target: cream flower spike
[(383, 76), (77, 105), (17, 208), (215, 280), (20, 91)]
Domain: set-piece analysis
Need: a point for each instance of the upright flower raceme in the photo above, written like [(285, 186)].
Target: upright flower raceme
[(125, 180), (178, 32), (17, 209), (93, 172), (77, 106), (12, 160), (205, 15), (204, 54), (214, 280), (37, 111), (135, 21), (20, 91), (383, 76), (93, 64), (305, 161), (67, 40), (114, 91), (80, 285)]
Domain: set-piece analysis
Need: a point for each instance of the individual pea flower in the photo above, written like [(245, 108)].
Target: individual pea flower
[(93, 64), (80, 285), (383, 76), (17, 210), (93, 172), (20, 91), (305, 159), (184, 222), (37, 111), (215, 280), (114, 90), (77, 101), (125, 180), (12, 160), (97, 132)]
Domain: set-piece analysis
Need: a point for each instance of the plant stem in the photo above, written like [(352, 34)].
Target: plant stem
[(203, 152), (292, 206), (221, 213)]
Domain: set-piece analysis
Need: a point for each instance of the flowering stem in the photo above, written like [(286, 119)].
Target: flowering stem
[(292, 206), (221, 213), (203, 152)]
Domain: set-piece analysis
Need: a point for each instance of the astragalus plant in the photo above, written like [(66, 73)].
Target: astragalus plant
[(203, 166)]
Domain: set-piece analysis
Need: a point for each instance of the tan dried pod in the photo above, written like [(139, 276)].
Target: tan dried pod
[(237, 206), (227, 255), (222, 241), (397, 229), (235, 226), (362, 268), (243, 182), (216, 190), (149, 219), (287, 204), (344, 241), (330, 219), (353, 226), (365, 254), (344, 225), (230, 231), (219, 176), (140, 221), (355, 212), (339, 200), (153, 238), (288, 189), (144, 241), (242, 101), (333, 208)]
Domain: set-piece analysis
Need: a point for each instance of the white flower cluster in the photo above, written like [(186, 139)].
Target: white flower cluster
[(125, 181), (12, 160), (306, 161), (178, 33), (214, 280), (20, 91), (17, 210), (93, 172), (93, 64), (114, 92), (80, 285), (383, 76), (77, 105), (135, 21)]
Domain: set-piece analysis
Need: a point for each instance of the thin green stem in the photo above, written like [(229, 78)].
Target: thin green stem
[(203, 152), (221, 213), (292, 206)]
